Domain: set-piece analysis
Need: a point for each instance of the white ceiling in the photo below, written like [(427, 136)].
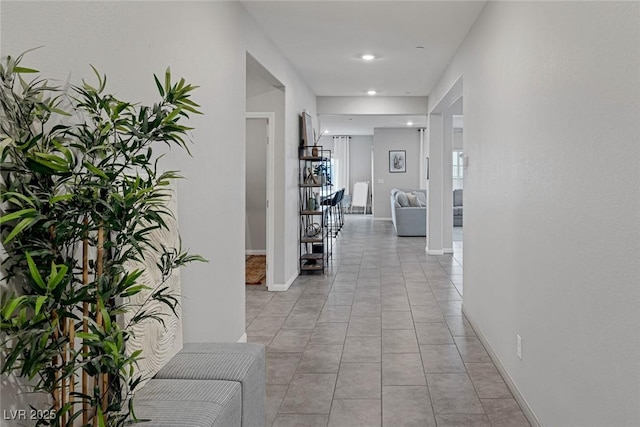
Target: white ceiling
[(364, 125), (324, 39), (353, 125)]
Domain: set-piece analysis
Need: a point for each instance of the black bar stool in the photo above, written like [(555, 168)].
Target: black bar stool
[(334, 213)]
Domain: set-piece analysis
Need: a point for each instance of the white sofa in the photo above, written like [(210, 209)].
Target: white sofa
[(409, 212)]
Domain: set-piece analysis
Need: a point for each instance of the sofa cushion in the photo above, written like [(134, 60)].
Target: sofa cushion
[(413, 200), (422, 197), (189, 403), (401, 197)]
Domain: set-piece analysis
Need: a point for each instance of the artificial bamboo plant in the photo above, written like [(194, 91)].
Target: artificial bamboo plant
[(81, 191)]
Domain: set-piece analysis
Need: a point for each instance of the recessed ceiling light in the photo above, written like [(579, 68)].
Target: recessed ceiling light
[(409, 123), (371, 92), (326, 131), (368, 57)]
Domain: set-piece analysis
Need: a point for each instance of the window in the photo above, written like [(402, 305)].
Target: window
[(458, 170)]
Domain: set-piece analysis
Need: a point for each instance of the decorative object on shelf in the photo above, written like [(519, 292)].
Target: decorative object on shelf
[(323, 170), (307, 177), (311, 204), (313, 230), (306, 132), (397, 161), (316, 139), (78, 225)]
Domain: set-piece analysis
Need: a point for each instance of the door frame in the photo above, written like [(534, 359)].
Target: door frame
[(271, 118)]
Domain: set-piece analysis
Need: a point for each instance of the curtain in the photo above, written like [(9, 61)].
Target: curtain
[(424, 153), (341, 163)]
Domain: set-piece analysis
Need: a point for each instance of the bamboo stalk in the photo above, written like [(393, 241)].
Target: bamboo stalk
[(58, 391), (54, 361), (103, 379), (63, 390), (105, 392), (94, 419), (72, 378), (95, 410), (85, 325)]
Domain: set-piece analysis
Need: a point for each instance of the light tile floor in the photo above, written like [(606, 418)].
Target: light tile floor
[(379, 340)]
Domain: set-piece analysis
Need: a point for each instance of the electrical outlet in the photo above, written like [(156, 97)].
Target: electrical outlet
[(519, 346)]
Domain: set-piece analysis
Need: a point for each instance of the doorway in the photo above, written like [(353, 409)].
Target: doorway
[(259, 188)]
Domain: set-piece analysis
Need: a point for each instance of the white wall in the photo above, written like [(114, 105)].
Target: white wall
[(255, 238), (264, 94), (134, 41), (457, 139), (360, 160), (552, 230), (298, 97), (385, 139)]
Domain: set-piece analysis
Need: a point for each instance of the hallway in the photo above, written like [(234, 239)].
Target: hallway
[(378, 341)]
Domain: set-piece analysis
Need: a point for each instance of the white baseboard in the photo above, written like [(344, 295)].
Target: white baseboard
[(526, 409), (255, 252), (279, 287), (434, 251), (243, 338), (447, 250), (382, 219)]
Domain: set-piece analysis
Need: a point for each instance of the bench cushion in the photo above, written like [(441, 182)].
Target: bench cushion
[(243, 362), (189, 403)]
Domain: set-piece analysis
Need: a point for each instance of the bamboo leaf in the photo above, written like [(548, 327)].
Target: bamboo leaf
[(29, 213), (101, 420), (22, 225), (160, 89), (60, 198), (106, 319), (167, 80), (11, 306), (101, 82), (110, 347), (64, 150), (11, 195), (24, 70), (35, 274), (172, 115), (39, 301), (55, 279), (95, 170)]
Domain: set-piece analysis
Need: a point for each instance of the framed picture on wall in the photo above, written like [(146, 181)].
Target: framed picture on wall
[(397, 161)]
